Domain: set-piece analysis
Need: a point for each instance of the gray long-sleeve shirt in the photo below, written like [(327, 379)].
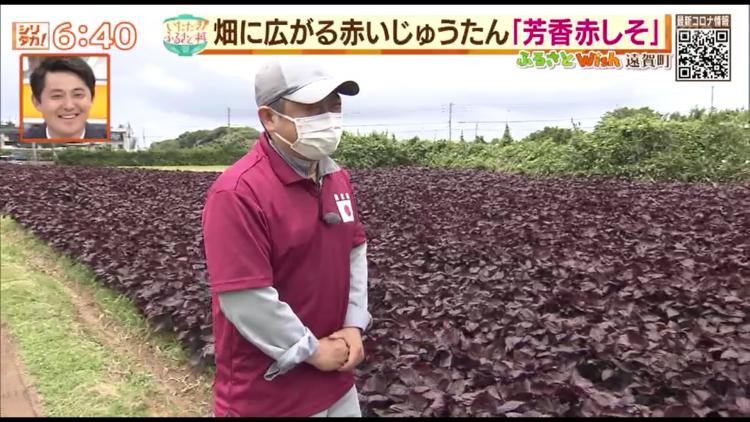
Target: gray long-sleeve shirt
[(271, 325)]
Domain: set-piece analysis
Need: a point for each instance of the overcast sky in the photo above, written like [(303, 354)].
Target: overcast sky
[(163, 95)]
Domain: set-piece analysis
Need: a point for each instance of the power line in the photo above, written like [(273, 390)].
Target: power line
[(415, 131), (496, 106), (395, 124), (443, 107), (426, 127), (528, 121)]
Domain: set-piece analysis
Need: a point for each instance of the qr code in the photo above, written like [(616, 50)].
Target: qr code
[(703, 55)]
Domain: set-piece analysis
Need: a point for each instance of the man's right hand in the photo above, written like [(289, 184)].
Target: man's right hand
[(331, 355)]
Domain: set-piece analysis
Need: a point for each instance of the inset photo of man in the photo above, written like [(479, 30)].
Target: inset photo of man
[(64, 98)]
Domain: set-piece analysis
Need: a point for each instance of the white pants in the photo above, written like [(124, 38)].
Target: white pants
[(347, 406)]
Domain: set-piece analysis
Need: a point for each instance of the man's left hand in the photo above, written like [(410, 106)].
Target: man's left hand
[(353, 337)]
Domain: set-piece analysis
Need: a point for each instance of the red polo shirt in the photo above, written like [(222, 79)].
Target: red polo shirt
[(263, 226)]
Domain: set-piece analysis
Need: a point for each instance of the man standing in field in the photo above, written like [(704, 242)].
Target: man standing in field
[(286, 258)]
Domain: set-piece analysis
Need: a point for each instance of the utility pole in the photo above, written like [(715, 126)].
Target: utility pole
[(712, 98), (450, 121), (229, 115), (143, 139), (476, 131)]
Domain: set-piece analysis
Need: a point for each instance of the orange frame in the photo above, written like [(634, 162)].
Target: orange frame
[(20, 97)]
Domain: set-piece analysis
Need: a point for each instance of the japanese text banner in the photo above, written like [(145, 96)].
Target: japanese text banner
[(418, 34)]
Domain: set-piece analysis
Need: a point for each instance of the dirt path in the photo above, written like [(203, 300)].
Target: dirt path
[(16, 398), (183, 391), (178, 389)]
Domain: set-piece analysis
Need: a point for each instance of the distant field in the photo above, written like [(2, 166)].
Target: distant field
[(182, 168)]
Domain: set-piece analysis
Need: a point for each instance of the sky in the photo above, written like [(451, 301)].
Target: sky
[(163, 95)]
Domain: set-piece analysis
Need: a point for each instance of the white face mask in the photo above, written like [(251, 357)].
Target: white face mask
[(317, 136)]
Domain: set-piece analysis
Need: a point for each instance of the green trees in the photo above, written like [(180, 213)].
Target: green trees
[(633, 143), (220, 146), (506, 139)]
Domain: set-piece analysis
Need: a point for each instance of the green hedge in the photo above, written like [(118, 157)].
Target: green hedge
[(626, 143), (221, 146), (194, 156)]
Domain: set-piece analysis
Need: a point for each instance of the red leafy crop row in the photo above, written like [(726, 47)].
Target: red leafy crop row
[(496, 294), (140, 231), (491, 294)]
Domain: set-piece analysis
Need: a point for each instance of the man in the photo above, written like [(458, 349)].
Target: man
[(286, 258), (63, 91)]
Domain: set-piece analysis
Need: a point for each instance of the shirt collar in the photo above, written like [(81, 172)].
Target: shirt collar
[(299, 165), (290, 169), (83, 135)]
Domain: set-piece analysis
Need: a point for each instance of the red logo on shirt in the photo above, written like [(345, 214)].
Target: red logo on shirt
[(344, 203)]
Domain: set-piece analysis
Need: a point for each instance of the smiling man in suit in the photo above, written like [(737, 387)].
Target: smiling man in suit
[(63, 91)]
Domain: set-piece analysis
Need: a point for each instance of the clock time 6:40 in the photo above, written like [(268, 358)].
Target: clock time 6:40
[(121, 35)]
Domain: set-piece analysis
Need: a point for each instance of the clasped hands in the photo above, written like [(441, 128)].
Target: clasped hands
[(342, 351)]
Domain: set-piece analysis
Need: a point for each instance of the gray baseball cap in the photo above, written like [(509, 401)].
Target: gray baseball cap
[(299, 82)]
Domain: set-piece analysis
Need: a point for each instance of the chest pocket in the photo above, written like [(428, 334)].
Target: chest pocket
[(307, 219)]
